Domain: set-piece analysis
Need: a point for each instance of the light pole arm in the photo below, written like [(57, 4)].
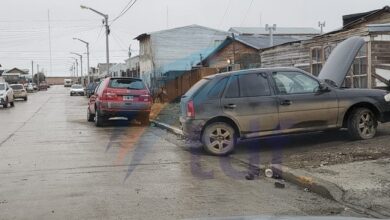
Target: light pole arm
[(97, 12)]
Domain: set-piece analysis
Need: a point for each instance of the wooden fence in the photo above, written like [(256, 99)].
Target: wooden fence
[(180, 85)]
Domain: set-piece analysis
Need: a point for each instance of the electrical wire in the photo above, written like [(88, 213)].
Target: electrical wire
[(246, 13), (125, 10)]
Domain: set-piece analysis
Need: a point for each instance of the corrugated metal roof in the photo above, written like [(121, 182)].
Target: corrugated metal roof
[(139, 37), (279, 31), (260, 42)]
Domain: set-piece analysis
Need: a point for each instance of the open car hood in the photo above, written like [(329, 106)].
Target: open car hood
[(340, 60)]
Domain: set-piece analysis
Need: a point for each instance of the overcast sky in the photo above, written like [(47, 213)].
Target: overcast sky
[(24, 24)]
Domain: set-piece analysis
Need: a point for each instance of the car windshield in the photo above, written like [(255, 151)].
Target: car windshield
[(135, 84), (2, 86), (77, 86), (16, 87)]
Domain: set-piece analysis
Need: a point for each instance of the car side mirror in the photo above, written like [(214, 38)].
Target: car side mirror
[(7, 89), (323, 87)]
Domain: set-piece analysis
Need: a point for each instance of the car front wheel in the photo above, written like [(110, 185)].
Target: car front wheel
[(5, 105), (219, 138), (362, 124)]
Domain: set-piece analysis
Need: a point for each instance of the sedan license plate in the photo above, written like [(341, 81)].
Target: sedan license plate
[(127, 98)]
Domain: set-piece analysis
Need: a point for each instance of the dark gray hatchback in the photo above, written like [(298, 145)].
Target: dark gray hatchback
[(223, 108)]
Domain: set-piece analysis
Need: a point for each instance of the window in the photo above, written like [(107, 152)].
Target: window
[(217, 90), (233, 89), (357, 76), (294, 83), (126, 84), (2, 86), (254, 84), (316, 60), (17, 87)]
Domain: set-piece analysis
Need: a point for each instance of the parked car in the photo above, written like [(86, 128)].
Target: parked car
[(35, 87), (6, 95), (77, 89), (30, 88), (19, 91), (43, 86), (120, 97), (221, 109), (90, 89)]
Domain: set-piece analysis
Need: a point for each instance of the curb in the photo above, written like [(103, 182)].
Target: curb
[(299, 177), (168, 127), (306, 180)]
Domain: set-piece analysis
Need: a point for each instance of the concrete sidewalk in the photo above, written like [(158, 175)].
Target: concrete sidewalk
[(365, 184)]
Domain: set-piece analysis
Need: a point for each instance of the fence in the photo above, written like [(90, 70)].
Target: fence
[(180, 85)]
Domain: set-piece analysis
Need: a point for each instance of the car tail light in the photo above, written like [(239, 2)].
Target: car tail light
[(145, 98), (190, 109), (109, 95)]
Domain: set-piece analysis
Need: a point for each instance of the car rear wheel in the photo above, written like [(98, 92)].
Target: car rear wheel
[(5, 105), (362, 124), (99, 119), (219, 138), (90, 117), (25, 98)]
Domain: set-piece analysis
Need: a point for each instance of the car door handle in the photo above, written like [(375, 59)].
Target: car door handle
[(286, 102), (230, 106)]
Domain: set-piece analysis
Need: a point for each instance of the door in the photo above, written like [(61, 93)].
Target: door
[(302, 106), (250, 101)]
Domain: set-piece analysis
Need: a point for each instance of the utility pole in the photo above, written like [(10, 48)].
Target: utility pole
[(105, 22), (81, 66), (48, 20), (321, 25), (271, 33), (87, 44), (38, 75), (32, 71)]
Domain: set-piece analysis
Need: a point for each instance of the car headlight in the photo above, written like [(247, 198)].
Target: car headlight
[(387, 97)]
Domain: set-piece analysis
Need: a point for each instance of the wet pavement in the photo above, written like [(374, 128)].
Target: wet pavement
[(56, 165)]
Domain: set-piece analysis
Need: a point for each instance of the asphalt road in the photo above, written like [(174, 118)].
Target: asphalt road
[(56, 165)]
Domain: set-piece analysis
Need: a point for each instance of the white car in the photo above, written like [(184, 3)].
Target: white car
[(77, 89), (19, 91), (6, 95)]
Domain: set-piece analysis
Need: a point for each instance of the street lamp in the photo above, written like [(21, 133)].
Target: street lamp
[(76, 67), (81, 66), (87, 44), (105, 22)]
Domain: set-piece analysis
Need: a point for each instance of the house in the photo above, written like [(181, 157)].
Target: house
[(102, 69), (118, 70), (16, 75), (298, 33), (371, 67), (165, 54), (241, 51), (133, 67)]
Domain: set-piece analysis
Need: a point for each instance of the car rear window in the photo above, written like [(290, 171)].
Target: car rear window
[(196, 87), (126, 84), (17, 87), (77, 86)]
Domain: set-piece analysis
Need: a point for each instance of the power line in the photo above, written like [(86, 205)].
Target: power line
[(246, 13), (125, 9)]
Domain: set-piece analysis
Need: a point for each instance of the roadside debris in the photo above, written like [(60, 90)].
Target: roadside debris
[(250, 176), (269, 173), (280, 185)]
